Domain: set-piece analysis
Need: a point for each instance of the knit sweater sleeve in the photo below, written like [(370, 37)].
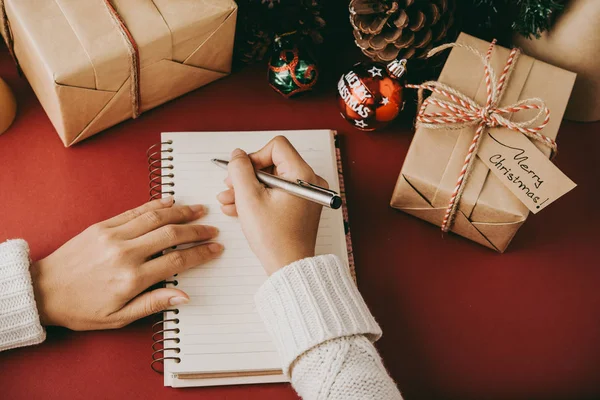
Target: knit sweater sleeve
[(19, 319), (324, 332)]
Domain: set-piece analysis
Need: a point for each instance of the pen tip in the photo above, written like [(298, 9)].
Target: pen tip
[(219, 163)]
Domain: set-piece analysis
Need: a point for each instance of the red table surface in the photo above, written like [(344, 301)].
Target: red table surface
[(459, 321)]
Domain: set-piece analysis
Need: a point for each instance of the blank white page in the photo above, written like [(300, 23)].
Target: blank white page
[(220, 330)]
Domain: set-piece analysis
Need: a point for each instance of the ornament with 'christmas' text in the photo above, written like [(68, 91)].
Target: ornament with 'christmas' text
[(370, 94)]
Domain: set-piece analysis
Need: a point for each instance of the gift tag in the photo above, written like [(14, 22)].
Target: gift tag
[(523, 168)]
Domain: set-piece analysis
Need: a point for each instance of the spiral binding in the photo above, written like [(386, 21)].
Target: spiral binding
[(160, 175), (157, 177)]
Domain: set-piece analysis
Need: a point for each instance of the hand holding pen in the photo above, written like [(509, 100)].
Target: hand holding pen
[(280, 228), (300, 188)]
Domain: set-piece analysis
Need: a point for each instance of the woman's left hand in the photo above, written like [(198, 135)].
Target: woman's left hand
[(97, 279)]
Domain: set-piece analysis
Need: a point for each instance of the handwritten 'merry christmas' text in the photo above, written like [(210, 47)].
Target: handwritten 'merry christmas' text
[(523, 169)]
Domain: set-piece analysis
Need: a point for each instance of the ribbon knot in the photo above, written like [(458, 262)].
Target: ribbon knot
[(462, 111), (488, 117)]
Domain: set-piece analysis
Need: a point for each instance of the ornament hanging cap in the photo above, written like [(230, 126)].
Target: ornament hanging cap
[(397, 68), (278, 37)]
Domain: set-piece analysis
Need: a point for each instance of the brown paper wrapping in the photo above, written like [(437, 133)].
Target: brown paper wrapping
[(78, 64), (488, 213), (574, 44)]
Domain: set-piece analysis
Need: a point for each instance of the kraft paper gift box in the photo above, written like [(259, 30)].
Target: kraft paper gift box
[(489, 213), (79, 63)]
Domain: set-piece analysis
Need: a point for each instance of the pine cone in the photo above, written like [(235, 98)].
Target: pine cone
[(390, 29), (253, 47)]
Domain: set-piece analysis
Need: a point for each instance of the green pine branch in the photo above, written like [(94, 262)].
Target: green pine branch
[(536, 16), (527, 17)]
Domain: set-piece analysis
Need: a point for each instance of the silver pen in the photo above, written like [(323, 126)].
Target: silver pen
[(300, 188)]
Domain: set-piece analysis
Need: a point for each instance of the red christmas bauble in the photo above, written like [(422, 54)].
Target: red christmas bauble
[(370, 94)]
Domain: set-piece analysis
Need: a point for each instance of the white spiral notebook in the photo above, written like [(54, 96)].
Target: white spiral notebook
[(218, 337)]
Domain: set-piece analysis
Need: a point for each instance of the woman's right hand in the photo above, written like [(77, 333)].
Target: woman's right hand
[(280, 228), (98, 279)]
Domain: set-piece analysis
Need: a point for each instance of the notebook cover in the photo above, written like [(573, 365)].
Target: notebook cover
[(340, 170)]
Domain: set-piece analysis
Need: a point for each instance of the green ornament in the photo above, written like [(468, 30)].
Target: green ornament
[(291, 69)]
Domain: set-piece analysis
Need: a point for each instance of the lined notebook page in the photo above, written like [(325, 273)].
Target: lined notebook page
[(220, 330)]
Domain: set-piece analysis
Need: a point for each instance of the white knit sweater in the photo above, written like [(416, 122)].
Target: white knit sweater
[(324, 331), (19, 319), (312, 308)]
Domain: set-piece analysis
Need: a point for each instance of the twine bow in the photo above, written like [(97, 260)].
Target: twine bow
[(464, 111)]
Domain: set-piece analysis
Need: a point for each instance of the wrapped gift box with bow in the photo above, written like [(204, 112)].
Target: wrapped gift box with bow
[(478, 163), (95, 63)]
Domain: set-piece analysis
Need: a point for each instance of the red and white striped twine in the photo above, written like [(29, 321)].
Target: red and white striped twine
[(463, 111), (134, 57)]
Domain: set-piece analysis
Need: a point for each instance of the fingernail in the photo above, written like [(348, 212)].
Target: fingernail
[(167, 200), (238, 152), (214, 231), (198, 208), (215, 247), (175, 301)]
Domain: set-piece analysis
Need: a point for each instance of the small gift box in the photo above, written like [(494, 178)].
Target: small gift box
[(478, 162), (95, 63)]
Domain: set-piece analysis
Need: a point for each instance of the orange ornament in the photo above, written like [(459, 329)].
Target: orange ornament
[(370, 95)]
